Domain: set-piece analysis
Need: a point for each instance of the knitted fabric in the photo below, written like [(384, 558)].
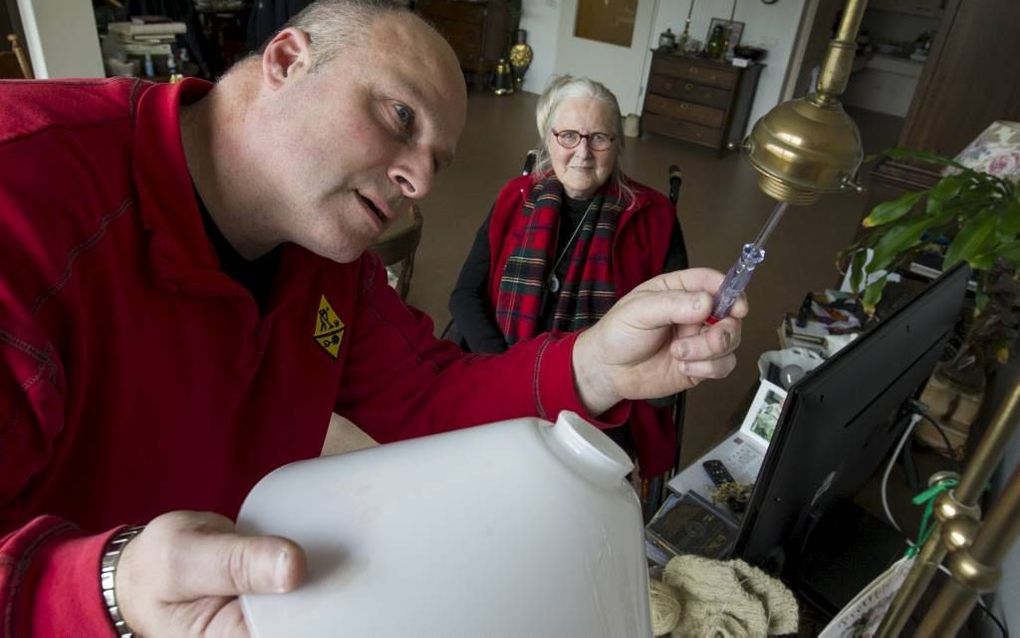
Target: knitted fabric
[(728, 600), (665, 607)]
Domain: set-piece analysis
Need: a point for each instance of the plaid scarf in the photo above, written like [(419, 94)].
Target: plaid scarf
[(587, 290)]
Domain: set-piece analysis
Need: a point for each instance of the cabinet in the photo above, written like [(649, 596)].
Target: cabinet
[(477, 30), (697, 100)]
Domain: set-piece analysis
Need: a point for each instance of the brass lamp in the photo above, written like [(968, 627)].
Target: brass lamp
[(808, 146), (800, 149)]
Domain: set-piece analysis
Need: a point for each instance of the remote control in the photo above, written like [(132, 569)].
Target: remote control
[(717, 471)]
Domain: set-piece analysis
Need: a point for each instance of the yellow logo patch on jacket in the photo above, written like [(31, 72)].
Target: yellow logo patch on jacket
[(329, 329)]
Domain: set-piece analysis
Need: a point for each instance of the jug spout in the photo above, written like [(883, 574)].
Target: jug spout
[(587, 451)]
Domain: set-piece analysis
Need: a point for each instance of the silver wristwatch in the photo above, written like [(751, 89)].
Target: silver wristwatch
[(107, 575)]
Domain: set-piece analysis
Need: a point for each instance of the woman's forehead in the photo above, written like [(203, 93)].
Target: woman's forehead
[(582, 111)]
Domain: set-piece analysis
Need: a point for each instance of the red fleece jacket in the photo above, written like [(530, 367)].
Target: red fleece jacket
[(137, 378)]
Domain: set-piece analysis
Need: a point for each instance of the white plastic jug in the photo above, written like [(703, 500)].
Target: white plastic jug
[(519, 528)]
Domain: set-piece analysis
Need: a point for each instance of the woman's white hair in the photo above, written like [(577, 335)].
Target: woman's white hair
[(567, 87), (332, 25)]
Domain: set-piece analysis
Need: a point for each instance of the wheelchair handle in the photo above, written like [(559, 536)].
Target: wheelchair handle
[(675, 178)]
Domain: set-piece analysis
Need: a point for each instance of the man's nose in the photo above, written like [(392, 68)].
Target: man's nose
[(413, 174)]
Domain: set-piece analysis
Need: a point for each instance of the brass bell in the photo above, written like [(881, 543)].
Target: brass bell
[(503, 79)]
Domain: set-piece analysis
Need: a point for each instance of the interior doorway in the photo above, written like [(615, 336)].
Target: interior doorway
[(892, 50), (614, 65)]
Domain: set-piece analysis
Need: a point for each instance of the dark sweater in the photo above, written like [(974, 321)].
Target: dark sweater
[(474, 313)]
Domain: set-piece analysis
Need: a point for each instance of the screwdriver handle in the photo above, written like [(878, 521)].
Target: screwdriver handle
[(736, 281)]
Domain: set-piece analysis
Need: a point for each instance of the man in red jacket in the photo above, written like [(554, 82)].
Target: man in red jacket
[(185, 299)]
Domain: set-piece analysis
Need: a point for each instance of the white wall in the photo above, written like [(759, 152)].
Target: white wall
[(550, 26), (541, 19), (621, 69), (772, 27), (61, 38)]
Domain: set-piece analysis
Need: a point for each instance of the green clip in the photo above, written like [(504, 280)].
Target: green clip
[(927, 498)]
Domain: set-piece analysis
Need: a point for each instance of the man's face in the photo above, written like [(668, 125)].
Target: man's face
[(351, 145)]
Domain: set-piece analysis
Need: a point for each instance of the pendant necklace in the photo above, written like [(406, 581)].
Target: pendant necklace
[(553, 282)]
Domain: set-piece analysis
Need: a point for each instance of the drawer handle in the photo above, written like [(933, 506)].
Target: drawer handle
[(684, 105), (688, 87), (693, 70)]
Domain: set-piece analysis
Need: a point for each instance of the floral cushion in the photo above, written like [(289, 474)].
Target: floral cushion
[(996, 151)]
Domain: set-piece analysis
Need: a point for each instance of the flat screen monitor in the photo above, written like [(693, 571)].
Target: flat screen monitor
[(839, 422)]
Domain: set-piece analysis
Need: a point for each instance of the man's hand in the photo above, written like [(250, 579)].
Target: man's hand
[(654, 342), (181, 576)]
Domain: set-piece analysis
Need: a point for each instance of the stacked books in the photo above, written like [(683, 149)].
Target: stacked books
[(145, 35)]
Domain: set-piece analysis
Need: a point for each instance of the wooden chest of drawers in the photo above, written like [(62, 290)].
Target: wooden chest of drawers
[(477, 30), (698, 100)]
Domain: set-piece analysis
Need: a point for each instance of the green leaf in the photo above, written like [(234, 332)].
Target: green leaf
[(887, 212), (980, 301), (1010, 252), (857, 273), (972, 239), (929, 158), (873, 295), (1009, 220), (897, 240), (947, 189)]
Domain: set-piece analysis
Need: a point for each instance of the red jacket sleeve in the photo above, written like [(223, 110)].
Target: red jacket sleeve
[(401, 382), (49, 570), (49, 581)]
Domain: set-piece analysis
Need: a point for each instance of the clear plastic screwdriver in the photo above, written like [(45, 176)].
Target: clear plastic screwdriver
[(740, 273)]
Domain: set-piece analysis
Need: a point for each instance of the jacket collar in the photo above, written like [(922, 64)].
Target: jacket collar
[(180, 253)]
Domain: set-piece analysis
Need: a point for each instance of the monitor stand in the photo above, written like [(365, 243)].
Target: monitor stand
[(845, 551)]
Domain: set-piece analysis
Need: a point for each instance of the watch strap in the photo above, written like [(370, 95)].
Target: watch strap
[(107, 577)]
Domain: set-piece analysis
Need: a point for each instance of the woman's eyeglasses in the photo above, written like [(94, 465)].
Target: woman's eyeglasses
[(596, 141)]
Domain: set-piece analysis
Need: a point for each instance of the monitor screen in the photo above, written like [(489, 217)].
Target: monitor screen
[(839, 422)]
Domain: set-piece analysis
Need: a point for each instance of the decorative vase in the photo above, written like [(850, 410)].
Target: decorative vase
[(667, 40), (716, 47), (632, 125), (502, 80), (521, 56)]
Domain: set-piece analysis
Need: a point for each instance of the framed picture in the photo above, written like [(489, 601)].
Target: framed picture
[(763, 415), (734, 30)]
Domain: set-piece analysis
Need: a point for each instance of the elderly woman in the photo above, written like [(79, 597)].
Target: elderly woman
[(563, 243)]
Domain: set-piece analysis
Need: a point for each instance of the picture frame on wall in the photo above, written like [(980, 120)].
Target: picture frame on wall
[(735, 29)]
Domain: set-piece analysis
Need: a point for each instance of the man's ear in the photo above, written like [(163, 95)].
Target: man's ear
[(287, 53)]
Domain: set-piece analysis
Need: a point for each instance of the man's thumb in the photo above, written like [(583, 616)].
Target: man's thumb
[(230, 564)]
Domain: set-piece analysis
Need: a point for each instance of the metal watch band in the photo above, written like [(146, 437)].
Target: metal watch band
[(107, 574)]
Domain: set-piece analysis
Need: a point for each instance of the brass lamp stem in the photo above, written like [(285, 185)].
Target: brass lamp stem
[(976, 569), (839, 58), (809, 146), (957, 515)]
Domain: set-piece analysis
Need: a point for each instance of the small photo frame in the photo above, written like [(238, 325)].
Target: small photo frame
[(763, 415), (735, 30)]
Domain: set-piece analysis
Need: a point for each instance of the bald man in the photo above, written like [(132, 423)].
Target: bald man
[(185, 298)]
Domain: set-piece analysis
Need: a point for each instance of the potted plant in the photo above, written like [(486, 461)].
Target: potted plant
[(968, 215)]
